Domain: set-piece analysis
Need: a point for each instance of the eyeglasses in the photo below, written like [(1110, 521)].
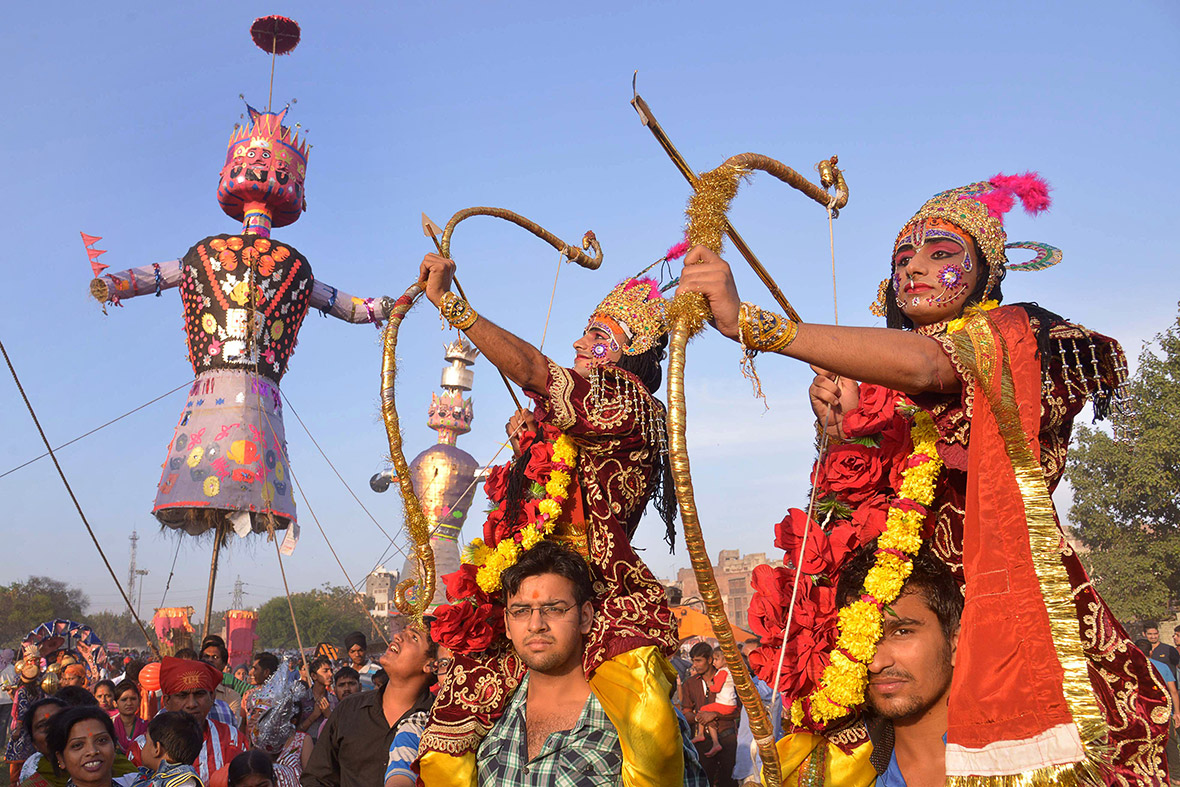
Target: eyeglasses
[(548, 612)]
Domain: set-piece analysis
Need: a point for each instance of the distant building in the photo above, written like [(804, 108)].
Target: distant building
[(733, 571), (380, 585)]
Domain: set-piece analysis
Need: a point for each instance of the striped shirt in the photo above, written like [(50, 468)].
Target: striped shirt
[(404, 749)]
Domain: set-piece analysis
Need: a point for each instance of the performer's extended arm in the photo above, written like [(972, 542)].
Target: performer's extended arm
[(520, 361), (901, 360), (154, 278)]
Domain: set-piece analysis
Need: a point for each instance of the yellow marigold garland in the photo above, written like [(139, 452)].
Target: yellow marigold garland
[(958, 323), (842, 685), (492, 561)]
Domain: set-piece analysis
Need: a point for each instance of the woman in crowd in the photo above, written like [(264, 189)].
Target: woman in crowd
[(128, 723), (104, 692), (82, 747), (37, 722)]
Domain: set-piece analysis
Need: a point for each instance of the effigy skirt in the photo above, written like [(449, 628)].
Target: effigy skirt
[(227, 458)]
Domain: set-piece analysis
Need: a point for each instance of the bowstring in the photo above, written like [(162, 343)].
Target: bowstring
[(822, 448), (552, 296)]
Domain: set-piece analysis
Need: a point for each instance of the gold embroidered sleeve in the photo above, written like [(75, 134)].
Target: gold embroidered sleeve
[(561, 386)]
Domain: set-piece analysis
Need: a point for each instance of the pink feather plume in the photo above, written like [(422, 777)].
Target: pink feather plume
[(997, 202), (679, 250), (1030, 187), (652, 285)]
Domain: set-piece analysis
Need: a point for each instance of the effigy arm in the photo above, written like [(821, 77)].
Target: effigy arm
[(154, 278), (333, 302)]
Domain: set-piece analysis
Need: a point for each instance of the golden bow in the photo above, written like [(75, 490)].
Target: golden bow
[(416, 523), (687, 315)]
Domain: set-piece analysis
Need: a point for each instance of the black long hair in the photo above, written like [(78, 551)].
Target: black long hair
[(647, 366)]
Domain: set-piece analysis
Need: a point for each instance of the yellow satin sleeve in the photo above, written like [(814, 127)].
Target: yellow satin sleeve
[(446, 770), (846, 770), (635, 690)]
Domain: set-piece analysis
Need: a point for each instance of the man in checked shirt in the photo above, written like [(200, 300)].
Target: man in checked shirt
[(554, 730)]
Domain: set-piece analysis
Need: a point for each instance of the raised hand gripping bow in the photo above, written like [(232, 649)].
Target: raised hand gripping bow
[(416, 523)]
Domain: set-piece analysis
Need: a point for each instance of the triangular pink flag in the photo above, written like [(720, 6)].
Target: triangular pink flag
[(88, 239), (93, 253), (98, 268)]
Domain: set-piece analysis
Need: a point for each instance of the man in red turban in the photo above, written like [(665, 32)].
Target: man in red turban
[(189, 686)]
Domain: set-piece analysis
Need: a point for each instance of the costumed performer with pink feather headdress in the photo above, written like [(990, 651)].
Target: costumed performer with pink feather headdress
[(949, 428)]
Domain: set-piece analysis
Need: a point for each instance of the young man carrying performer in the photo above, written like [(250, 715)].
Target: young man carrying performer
[(909, 682), (554, 725)]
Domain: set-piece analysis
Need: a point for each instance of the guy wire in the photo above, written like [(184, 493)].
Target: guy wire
[(360, 598), (337, 472), (97, 429), (77, 505)]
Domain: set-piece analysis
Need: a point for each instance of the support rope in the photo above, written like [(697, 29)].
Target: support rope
[(185, 384), (73, 497)]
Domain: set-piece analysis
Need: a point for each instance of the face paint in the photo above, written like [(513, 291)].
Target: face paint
[(599, 351), (951, 276), (599, 348)]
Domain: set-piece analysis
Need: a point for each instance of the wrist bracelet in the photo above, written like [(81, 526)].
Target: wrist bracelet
[(764, 331), (457, 311)]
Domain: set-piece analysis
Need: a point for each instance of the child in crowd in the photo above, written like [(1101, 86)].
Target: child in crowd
[(724, 702), (171, 745)]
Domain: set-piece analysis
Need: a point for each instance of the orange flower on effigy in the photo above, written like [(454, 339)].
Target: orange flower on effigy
[(217, 244), (263, 245), (266, 265), (234, 243), (229, 260), (280, 253)]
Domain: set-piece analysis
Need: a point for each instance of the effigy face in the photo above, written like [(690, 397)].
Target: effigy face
[(264, 169)]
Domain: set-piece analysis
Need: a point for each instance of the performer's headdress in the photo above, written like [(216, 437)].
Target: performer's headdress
[(979, 209), (636, 307)]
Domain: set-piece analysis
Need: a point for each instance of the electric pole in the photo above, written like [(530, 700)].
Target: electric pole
[(134, 539), (239, 593)]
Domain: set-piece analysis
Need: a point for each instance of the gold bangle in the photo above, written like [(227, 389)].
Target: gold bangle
[(764, 331), (457, 311)]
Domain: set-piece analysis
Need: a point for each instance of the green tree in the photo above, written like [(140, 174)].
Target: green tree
[(324, 615), (23, 605), (120, 628), (1126, 485)]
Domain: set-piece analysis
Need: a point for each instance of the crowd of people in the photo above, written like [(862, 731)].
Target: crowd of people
[(187, 720)]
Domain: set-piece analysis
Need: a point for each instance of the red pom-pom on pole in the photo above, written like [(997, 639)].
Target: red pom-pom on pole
[(275, 35)]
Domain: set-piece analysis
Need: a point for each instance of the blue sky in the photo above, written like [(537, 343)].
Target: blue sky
[(116, 122)]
